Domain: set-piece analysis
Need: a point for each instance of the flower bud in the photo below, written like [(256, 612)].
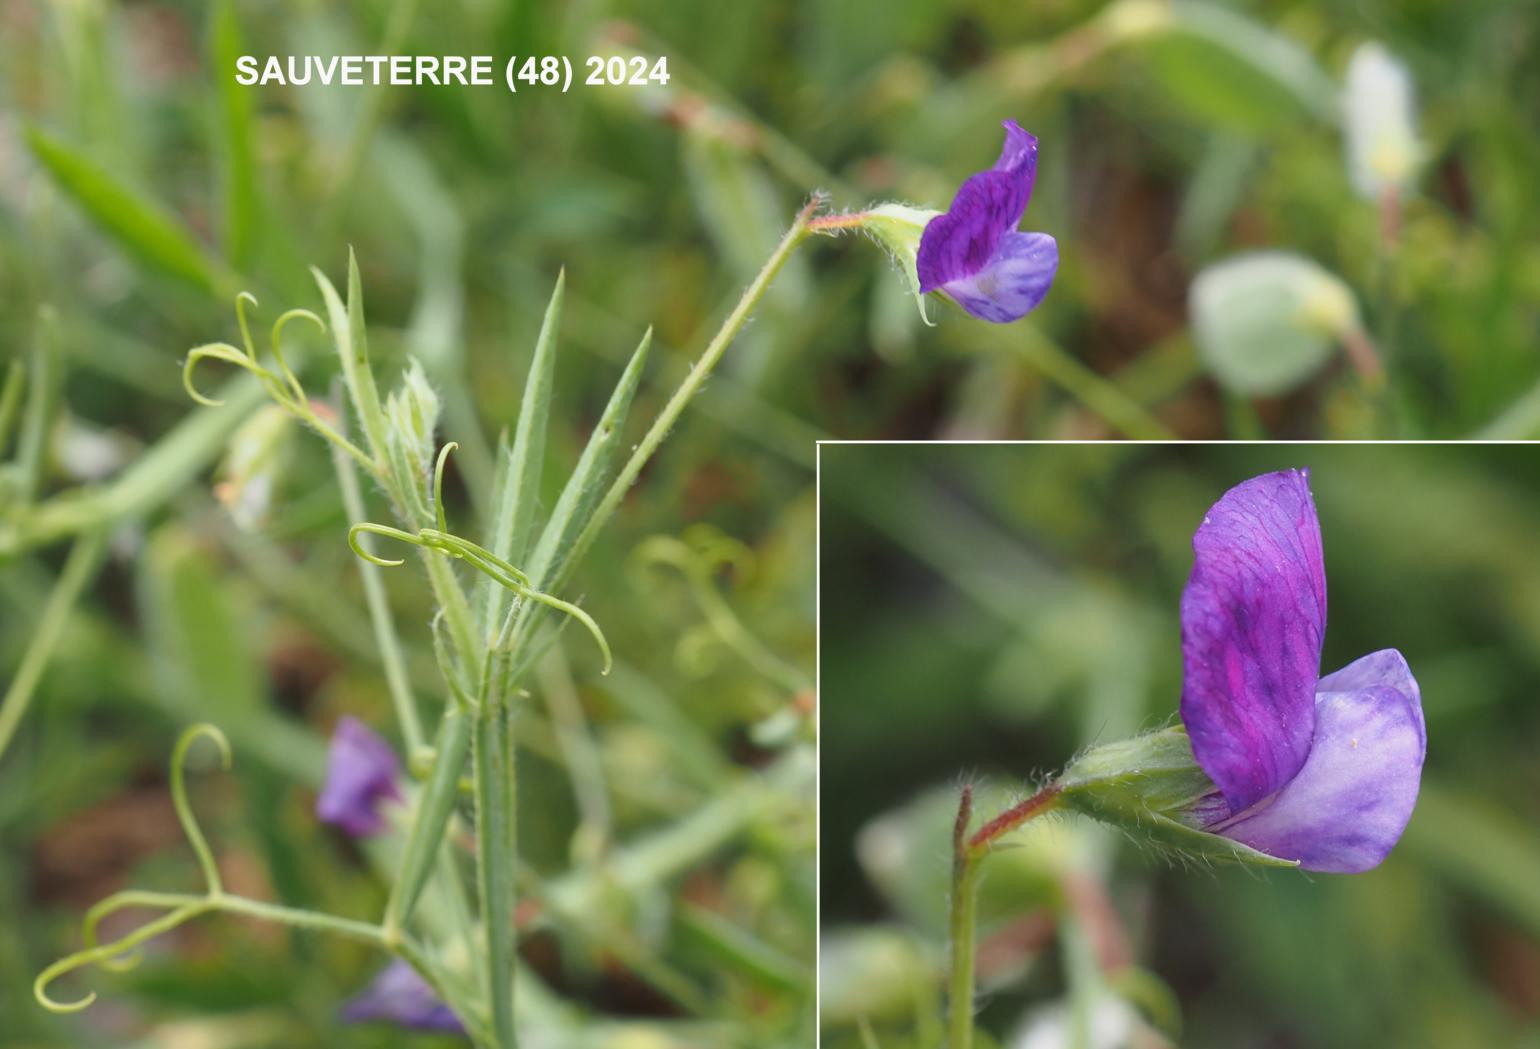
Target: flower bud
[(411, 415), (1266, 321), (1383, 153)]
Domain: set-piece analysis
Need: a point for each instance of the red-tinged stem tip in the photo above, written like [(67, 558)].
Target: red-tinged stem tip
[(1014, 817)]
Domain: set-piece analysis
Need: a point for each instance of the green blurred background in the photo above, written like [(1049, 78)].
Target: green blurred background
[(1174, 136), (987, 611)]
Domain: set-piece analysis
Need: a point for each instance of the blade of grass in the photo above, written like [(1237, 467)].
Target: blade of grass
[(240, 205), (135, 221), (42, 405), (79, 569)]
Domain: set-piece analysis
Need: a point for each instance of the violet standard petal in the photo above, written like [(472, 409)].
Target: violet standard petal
[(1253, 617), (1350, 802), (960, 242), (361, 773)]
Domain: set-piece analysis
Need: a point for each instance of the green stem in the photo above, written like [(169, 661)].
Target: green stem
[(496, 843), (386, 640), (962, 926), (79, 570), (967, 854), (692, 383)]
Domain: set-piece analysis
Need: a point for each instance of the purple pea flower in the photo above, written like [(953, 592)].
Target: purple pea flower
[(361, 772), (399, 995), (974, 253), (1320, 771)]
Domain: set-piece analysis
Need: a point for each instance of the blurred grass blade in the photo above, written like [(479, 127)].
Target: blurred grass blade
[(135, 221), (433, 813), (85, 557), (10, 400), (519, 466), (240, 206), (548, 568), (44, 393), (1234, 72), (1480, 847), (200, 646)]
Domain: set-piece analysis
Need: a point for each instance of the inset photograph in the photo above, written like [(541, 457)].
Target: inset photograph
[(1158, 745)]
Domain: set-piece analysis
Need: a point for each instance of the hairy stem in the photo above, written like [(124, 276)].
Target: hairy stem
[(968, 853), (692, 382)]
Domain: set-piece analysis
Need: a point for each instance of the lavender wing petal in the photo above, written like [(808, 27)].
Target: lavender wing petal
[(1013, 282), (1253, 616), (1385, 667), (1352, 799)]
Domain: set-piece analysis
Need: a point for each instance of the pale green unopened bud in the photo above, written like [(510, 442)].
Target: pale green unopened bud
[(254, 462), (1151, 788), (1266, 321), (1379, 122), (411, 416)]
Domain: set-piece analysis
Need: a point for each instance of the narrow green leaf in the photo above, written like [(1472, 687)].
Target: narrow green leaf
[(434, 810), (240, 205), (518, 478), (10, 400), (138, 223), (548, 566), (347, 324), (43, 395)]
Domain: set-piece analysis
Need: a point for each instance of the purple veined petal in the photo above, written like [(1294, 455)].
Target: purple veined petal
[(1253, 616), (361, 773), (399, 995), (1350, 802), (1013, 282), (1385, 667), (1018, 155), (960, 242)]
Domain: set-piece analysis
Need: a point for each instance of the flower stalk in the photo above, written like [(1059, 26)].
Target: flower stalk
[(968, 852)]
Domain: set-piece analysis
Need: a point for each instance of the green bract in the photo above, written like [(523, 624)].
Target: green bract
[(1148, 787)]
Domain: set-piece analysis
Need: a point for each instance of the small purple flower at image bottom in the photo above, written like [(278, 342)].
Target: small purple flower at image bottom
[(361, 773), (1319, 770), (973, 252), (400, 996)]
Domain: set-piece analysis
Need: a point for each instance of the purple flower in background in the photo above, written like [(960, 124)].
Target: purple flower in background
[(974, 253), (361, 772), (399, 995), (1324, 771)]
